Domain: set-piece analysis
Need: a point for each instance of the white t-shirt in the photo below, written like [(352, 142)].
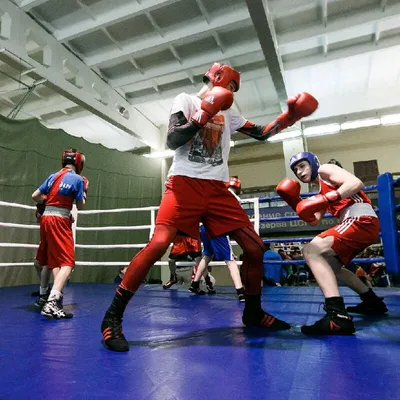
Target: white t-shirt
[(206, 155)]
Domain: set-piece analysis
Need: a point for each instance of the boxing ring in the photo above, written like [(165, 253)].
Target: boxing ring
[(190, 347)]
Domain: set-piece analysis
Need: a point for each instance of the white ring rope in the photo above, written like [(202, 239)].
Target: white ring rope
[(113, 228), (151, 227)]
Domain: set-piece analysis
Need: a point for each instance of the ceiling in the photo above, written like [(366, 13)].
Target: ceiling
[(345, 52)]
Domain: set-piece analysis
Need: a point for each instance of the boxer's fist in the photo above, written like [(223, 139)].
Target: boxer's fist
[(299, 106), (217, 99), (289, 190), (308, 207), (302, 105)]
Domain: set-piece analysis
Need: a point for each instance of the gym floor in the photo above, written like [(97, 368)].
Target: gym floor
[(194, 347)]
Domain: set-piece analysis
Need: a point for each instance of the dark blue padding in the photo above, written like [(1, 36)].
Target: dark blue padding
[(187, 347)]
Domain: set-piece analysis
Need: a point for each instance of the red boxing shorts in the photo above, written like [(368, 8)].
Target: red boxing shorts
[(187, 201), (184, 246), (56, 247), (352, 236)]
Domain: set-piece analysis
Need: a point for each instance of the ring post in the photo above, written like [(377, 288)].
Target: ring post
[(387, 216)]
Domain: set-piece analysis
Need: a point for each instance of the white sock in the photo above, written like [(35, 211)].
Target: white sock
[(43, 290), (55, 295)]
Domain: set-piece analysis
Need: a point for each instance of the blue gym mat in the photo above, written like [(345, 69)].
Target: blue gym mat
[(187, 347)]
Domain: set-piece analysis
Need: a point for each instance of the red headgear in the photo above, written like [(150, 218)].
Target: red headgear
[(234, 182), (73, 157), (221, 75)]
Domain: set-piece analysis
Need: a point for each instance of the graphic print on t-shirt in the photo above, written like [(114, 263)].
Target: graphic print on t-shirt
[(206, 146)]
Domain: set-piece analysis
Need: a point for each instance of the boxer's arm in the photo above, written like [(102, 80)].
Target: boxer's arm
[(80, 204), (259, 132), (180, 130), (37, 196), (80, 198), (299, 106), (348, 184)]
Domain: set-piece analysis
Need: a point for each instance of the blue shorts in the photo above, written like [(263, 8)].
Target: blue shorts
[(219, 247)]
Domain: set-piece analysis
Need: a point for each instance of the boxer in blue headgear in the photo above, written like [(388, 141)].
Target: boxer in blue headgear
[(312, 160), (340, 194)]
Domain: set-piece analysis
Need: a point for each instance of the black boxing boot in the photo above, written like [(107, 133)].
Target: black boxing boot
[(335, 322), (111, 327), (255, 316), (371, 304)]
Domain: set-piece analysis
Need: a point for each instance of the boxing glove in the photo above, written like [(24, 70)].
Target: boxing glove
[(217, 99), (299, 106), (289, 190), (308, 207)]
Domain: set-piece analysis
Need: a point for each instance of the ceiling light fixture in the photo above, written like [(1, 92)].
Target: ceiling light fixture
[(360, 123), (280, 137), (392, 119), (160, 154), (322, 130)]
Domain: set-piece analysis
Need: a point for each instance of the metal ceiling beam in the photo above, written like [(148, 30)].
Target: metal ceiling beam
[(342, 53), (108, 14), (265, 29), (88, 86), (339, 25), (69, 117), (196, 30), (324, 11), (169, 94), (195, 62), (285, 8), (256, 73), (352, 32), (41, 107), (26, 5)]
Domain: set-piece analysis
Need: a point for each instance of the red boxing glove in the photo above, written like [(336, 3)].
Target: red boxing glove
[(85, 186), (289, 190), (300, 106), (308, 207), (217, 99)]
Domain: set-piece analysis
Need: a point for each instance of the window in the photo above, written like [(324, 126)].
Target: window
[(367, 171)]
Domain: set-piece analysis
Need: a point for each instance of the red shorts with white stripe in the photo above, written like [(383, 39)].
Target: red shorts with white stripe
[(56, 247), (352, 236)]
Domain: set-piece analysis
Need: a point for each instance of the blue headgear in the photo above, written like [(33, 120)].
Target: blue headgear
[(306, 156)]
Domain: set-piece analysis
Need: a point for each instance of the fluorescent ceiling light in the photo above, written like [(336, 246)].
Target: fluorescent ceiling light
[(322, 130), (361, 123), (280, 137), (160, 154), (393, 119)]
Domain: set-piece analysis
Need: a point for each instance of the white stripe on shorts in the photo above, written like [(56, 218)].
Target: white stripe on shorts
[(346, 224)]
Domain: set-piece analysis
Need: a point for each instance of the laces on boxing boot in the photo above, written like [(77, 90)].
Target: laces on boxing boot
[(335, 322), (114, 338), (53, 309)]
